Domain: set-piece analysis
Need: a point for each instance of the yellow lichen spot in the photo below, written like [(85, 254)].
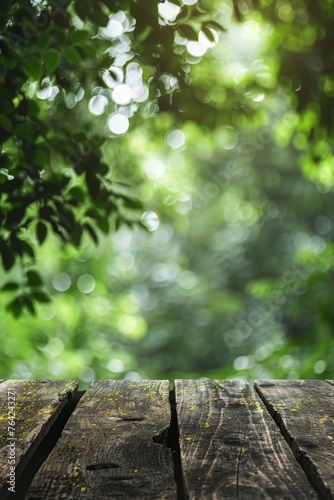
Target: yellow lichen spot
[(188, 439), (43, 411), (83, 489), (207, 424), (136, 470)]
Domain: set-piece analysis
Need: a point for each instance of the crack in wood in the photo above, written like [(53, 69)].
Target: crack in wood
[(174, 444), (132, 419), (102, 466), (162, 437)]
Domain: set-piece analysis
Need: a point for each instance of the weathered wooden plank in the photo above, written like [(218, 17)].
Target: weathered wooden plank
[(304, 410), (28, 409), (110, 446), (330, 382), (230, 446)]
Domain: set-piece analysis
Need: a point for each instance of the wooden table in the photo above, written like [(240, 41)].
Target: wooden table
[(204, 439)]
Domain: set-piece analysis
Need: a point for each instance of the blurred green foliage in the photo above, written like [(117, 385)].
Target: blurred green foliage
[(215, 118)]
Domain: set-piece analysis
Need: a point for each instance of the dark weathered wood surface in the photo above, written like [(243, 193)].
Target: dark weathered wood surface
[(37, 405), (231, 447), (113, 445), (110, 446), (304, 410)]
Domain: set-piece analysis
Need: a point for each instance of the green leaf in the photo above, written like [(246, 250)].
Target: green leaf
[(98, 18), (208, 33), (77, 194), (16, 244), (56, 185), (41, 297), (58, 230), (46, 212), (103, 224), (93, 184), (33, 108), (72, 56), (5, 123), (43, 42), (33, 279), (27, 249), (118, 223), (15, 307), (8, 257), (130, 202), (33, 68), (188, 32), (25, 131), (64, 222), (51, 60), (5, 128), (28, 304), (79, 36), (41, 155), (76, 234), (215, 25), (110, 4), (102, 168), (9, 63), (41, 232), (6, 161), (82, 8), (11, 285), (91, 232)]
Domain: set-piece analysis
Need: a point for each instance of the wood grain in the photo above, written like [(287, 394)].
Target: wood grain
[(111, 446), (304, 410), (230, 446), (37, 406)]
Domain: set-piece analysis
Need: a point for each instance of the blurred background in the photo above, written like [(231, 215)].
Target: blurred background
[(234, 275)]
